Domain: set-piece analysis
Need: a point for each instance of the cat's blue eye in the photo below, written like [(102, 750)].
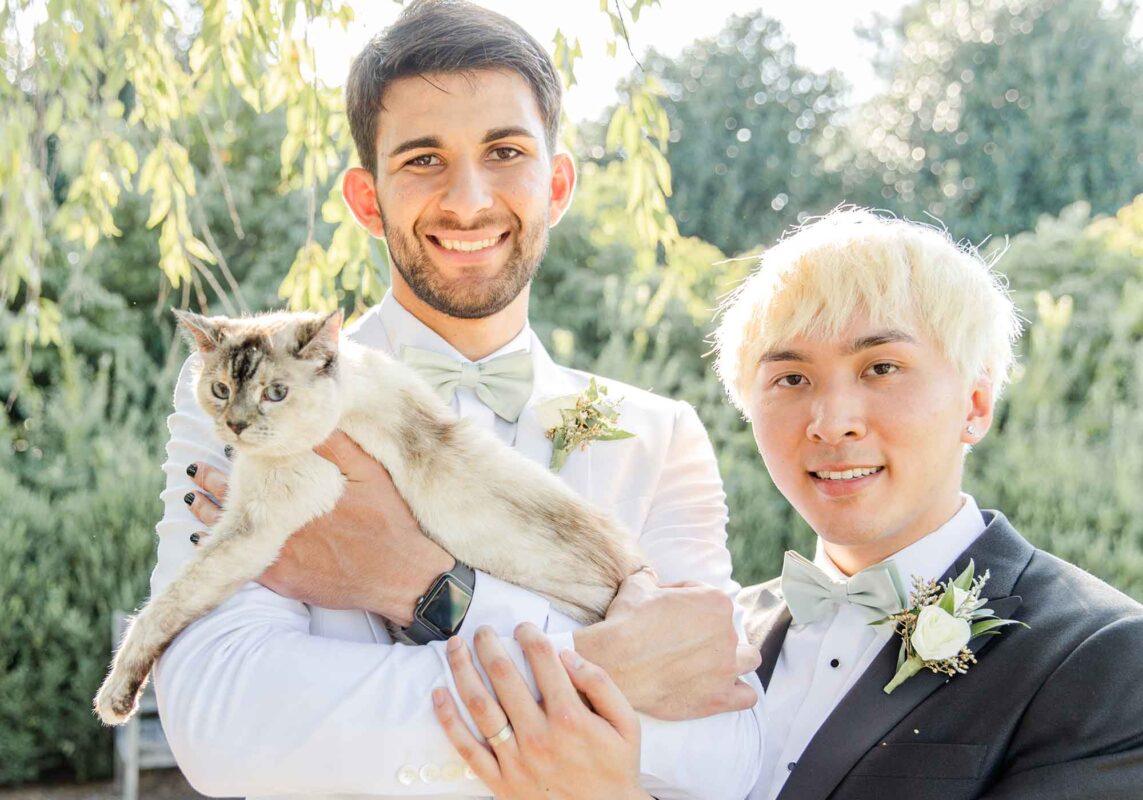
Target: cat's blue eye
[(275, 393), (220, 390)]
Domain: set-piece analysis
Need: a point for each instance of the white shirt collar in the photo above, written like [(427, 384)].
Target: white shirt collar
[(405, 330), (931, 555)]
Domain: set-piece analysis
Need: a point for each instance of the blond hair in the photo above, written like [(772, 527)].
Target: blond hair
[(901, 274)]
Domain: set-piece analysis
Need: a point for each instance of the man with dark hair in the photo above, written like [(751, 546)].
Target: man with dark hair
[(293, 687)]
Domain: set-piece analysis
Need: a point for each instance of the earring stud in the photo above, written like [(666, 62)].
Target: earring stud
[(971, 430)]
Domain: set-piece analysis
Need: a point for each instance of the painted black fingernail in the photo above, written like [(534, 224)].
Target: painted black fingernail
[(188, 498), (192, 470), (228, 451), (194, 537)]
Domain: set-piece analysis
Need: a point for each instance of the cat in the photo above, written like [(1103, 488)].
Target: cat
[(277, 385)]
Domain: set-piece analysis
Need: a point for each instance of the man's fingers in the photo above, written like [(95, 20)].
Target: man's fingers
[(747, 659), (211, 480), (345, 454), (477, 755), (551, 677), (336, 448), (741, 697), (489, 717), (207, 511), (513, 693), (685, 585), (604, 696)]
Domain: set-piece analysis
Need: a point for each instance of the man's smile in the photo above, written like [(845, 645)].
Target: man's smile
[(465, 242), (843, 480)]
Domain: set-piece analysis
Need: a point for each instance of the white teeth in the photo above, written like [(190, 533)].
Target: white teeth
[(848, 474), (467, 247)]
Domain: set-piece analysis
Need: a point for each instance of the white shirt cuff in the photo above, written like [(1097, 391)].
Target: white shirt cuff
[(502, 606)]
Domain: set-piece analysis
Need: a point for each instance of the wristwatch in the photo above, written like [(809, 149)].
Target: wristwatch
[(440, 610)]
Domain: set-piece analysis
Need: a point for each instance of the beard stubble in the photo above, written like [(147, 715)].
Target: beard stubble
[(470, 300)]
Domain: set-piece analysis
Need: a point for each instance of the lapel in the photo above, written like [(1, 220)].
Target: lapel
[(766, 619), (549, 381), (866, 713)]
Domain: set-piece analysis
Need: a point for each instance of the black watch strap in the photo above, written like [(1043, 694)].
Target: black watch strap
[(440, 611)]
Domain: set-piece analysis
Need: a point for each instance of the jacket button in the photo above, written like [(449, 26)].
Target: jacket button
[(452, 772), (430, 773), (407, 775)]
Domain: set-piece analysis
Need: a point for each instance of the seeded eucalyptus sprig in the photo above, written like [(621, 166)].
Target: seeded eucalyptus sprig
[(592, 418)]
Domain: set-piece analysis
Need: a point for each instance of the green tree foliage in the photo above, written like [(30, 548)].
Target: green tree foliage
[(751, 134), (1065, 459), (79, 488), (651, 328), (999, 111), (104, 102)]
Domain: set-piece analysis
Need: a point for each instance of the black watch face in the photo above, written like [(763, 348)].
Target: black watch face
[(446, 607)]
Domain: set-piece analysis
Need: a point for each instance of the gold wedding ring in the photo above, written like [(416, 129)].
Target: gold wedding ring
[(502, 736)]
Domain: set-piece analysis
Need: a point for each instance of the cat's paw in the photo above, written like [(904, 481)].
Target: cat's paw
[(118, 697)]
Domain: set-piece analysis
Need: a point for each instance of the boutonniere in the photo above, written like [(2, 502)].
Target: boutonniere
[(942, 618), (573, 421)]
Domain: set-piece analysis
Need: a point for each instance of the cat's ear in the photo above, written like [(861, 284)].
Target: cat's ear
[(317, 338), (203, 332)]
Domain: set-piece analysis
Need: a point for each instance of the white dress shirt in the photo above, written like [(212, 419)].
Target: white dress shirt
[(494, 601), (820, 661), (267, 697)]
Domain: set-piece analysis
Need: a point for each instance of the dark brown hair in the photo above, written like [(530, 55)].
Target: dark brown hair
[(445, 36)]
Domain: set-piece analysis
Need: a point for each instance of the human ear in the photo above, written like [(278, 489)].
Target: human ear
[(981, 406), (360, 195), (563, 186)]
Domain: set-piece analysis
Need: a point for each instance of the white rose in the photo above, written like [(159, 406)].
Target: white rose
[(548, 412), (939, 635)]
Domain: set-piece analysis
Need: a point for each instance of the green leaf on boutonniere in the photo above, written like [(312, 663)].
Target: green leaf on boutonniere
[(614, 436), (559, 457), (948, 601), (964, 580), (985, 627)]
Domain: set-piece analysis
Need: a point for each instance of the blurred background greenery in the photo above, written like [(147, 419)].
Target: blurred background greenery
[(157, 155)]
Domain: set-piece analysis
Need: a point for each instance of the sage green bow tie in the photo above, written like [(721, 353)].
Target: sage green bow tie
[(809, 592), (504, 383)]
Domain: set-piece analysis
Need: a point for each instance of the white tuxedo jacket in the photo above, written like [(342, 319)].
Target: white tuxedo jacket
[(271, 698)]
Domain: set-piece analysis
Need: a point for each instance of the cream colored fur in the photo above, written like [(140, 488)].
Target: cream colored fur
[(486, 504)]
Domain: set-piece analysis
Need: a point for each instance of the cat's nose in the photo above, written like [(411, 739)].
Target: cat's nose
[(237, 427)]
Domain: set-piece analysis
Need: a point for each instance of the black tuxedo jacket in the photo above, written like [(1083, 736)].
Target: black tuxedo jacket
[(1049, 712)]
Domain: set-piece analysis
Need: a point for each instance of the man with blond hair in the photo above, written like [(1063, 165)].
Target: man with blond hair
[(868, 354)]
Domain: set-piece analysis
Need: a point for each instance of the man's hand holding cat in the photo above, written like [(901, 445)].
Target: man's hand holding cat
[(367, 553), (672, 649)]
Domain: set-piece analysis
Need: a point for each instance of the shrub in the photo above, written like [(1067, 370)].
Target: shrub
[(79, 485)]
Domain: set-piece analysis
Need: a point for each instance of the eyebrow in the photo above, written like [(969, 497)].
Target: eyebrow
[(854, 347), (507, 132), (419, 143), (878, 339), (434, 142)]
